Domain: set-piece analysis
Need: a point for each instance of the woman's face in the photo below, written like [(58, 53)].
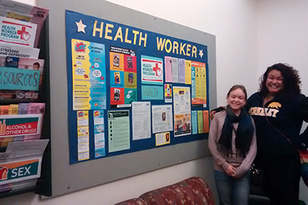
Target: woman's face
[(274, 82), (236, 99)]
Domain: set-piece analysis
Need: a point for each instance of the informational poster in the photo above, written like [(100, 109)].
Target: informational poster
[(198, 85), (162, 118), (152, 70), (99, 133), (175, 69), (182, 70), (194, 122), (150, 92), (162, 138), (123, 77), (206, 124), (119, 130), (200, 121), (168, 69), (83, 135), (141, 117), (182, 111), (89, 75)]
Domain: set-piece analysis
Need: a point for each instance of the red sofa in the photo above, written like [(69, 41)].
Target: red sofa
[(190, 191)]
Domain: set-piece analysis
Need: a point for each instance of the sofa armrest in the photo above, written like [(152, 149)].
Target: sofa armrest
[(134, 201)]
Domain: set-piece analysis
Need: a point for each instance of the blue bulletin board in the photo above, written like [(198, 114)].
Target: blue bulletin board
[(99, 135), (112, 67)]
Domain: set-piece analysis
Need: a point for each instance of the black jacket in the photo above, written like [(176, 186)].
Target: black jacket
[(285, 115)]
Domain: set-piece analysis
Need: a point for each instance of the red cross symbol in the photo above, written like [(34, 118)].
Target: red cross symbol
[(157, 70), (20, 32)]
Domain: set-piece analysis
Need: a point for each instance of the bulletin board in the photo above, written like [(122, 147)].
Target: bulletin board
[(112, 72)]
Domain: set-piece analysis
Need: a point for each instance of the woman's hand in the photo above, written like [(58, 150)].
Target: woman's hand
[(230, 171), (212, 113)]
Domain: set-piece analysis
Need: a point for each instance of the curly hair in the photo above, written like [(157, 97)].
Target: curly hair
[(291, 80)]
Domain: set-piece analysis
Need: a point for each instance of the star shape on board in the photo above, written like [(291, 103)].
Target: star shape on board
[(201, 53), (81, 26)]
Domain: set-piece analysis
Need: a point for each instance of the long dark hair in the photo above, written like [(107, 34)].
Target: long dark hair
[(291, 80)]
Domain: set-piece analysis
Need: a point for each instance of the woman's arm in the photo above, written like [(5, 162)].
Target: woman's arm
[(303, 114)]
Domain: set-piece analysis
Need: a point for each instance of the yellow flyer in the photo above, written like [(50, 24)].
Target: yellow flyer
[(187, 72)]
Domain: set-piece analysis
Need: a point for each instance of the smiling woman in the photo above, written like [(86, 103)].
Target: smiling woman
[(279, 108), (232, 142)]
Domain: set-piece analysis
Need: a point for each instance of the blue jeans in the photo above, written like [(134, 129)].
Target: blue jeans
[(232, 191)]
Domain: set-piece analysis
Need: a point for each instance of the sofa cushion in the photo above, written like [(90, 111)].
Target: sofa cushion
[(190, 191)]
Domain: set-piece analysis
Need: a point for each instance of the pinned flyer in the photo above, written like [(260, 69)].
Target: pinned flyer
[(17, 32), (162, 138)]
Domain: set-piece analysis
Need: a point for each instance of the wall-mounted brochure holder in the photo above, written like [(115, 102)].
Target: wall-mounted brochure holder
[(24, 100), (21, 163)]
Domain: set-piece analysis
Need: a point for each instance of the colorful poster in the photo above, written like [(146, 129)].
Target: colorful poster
[(182, 111), (152, 71), (141, 117), (168, 93), (89, 75), (118, 130), (99, 133), (198, 84), (162, 138), (123, 77), (17, 32), (162, 118), (152, 92)]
